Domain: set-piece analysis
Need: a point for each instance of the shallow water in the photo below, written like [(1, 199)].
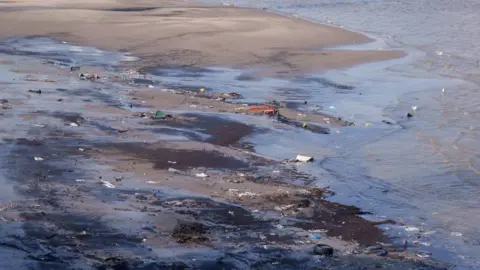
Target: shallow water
[(424, 171)]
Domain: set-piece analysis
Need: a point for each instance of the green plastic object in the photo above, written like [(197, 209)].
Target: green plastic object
[(159, 114)]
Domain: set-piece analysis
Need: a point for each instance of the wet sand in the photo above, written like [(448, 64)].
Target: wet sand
[(183, 34)]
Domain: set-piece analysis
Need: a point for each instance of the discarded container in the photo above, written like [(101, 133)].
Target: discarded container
[(301, 158), (108, 184), (202, 175), (38, 158), (159, 114), (35, 91), (73, 124), (315, 236)]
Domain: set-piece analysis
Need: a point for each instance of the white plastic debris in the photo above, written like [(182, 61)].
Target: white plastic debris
[(172, 162), (412, 229), (108, 184), (202, 175), (80, 180), (279, 226), (414, 108), (38, 125), (38, 158), (439, 53), (81, 149), (151, 182), (73, 124), (301, 158), (456, 234), (173, 170), (150, 86), (247, 194), (193, 106)]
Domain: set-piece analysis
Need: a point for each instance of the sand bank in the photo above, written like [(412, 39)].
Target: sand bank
[(177, 33)]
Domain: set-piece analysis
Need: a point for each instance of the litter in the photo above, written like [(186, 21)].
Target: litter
[(279, 226), (151, 182), (412, 229), (201, 175), (262, 109), (81, 149), (119, 178), (301, 158), (368, 124), (75, 68), (315, 236), (73, 124), (247, 194), (332, 107), (159, 114), (80, 180), (35, 91), (193, 106), (173, 170), (414, 108), (150, 86), (108, 184), (38, 158), (439, 53), (202, 89), (37, 125), (456, 234), (172, 162)]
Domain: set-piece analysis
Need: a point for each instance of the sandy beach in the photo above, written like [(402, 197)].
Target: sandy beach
[(106, 168), (177, 33)]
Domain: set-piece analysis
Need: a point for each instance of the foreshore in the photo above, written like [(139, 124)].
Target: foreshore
[(110, 170)]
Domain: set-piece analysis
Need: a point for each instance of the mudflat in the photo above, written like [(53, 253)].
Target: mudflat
[(185, 34)]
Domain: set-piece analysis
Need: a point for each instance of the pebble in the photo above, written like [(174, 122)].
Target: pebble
[(324, 250)]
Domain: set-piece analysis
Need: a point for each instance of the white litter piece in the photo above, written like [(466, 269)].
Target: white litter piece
[(439, 53), (241, 174), (172, 162), (301, 158), (443, 90), (73, 124), (173, 170), (412, 229), (81, 149), (247, 194), (151, 182), (201, 175), (108, 184), (193, 106), (279, 226), (80, 180), (456, 234), (150, 86), (38, 158), (414, 108), (38, 125)]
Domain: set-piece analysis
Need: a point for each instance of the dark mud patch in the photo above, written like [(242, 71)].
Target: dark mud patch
[(191, 232), (221, 131), (184, 159)]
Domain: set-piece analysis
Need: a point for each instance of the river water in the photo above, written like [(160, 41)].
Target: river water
[(423, 172)]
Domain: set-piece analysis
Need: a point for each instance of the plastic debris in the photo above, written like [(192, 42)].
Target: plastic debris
[(456, 234), (81, 149), (412, 229), (150, 86), (73, 124), (172, 162), (202, 90), (414, 108), (368, 124), (38, 158), (108, 184), (301, 158), (159, 114), (247, 194), (173, 170), (279, 226), (332, 107), (262, 109), (315, 236), (439, 53), (201, 175), (35, 91)]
